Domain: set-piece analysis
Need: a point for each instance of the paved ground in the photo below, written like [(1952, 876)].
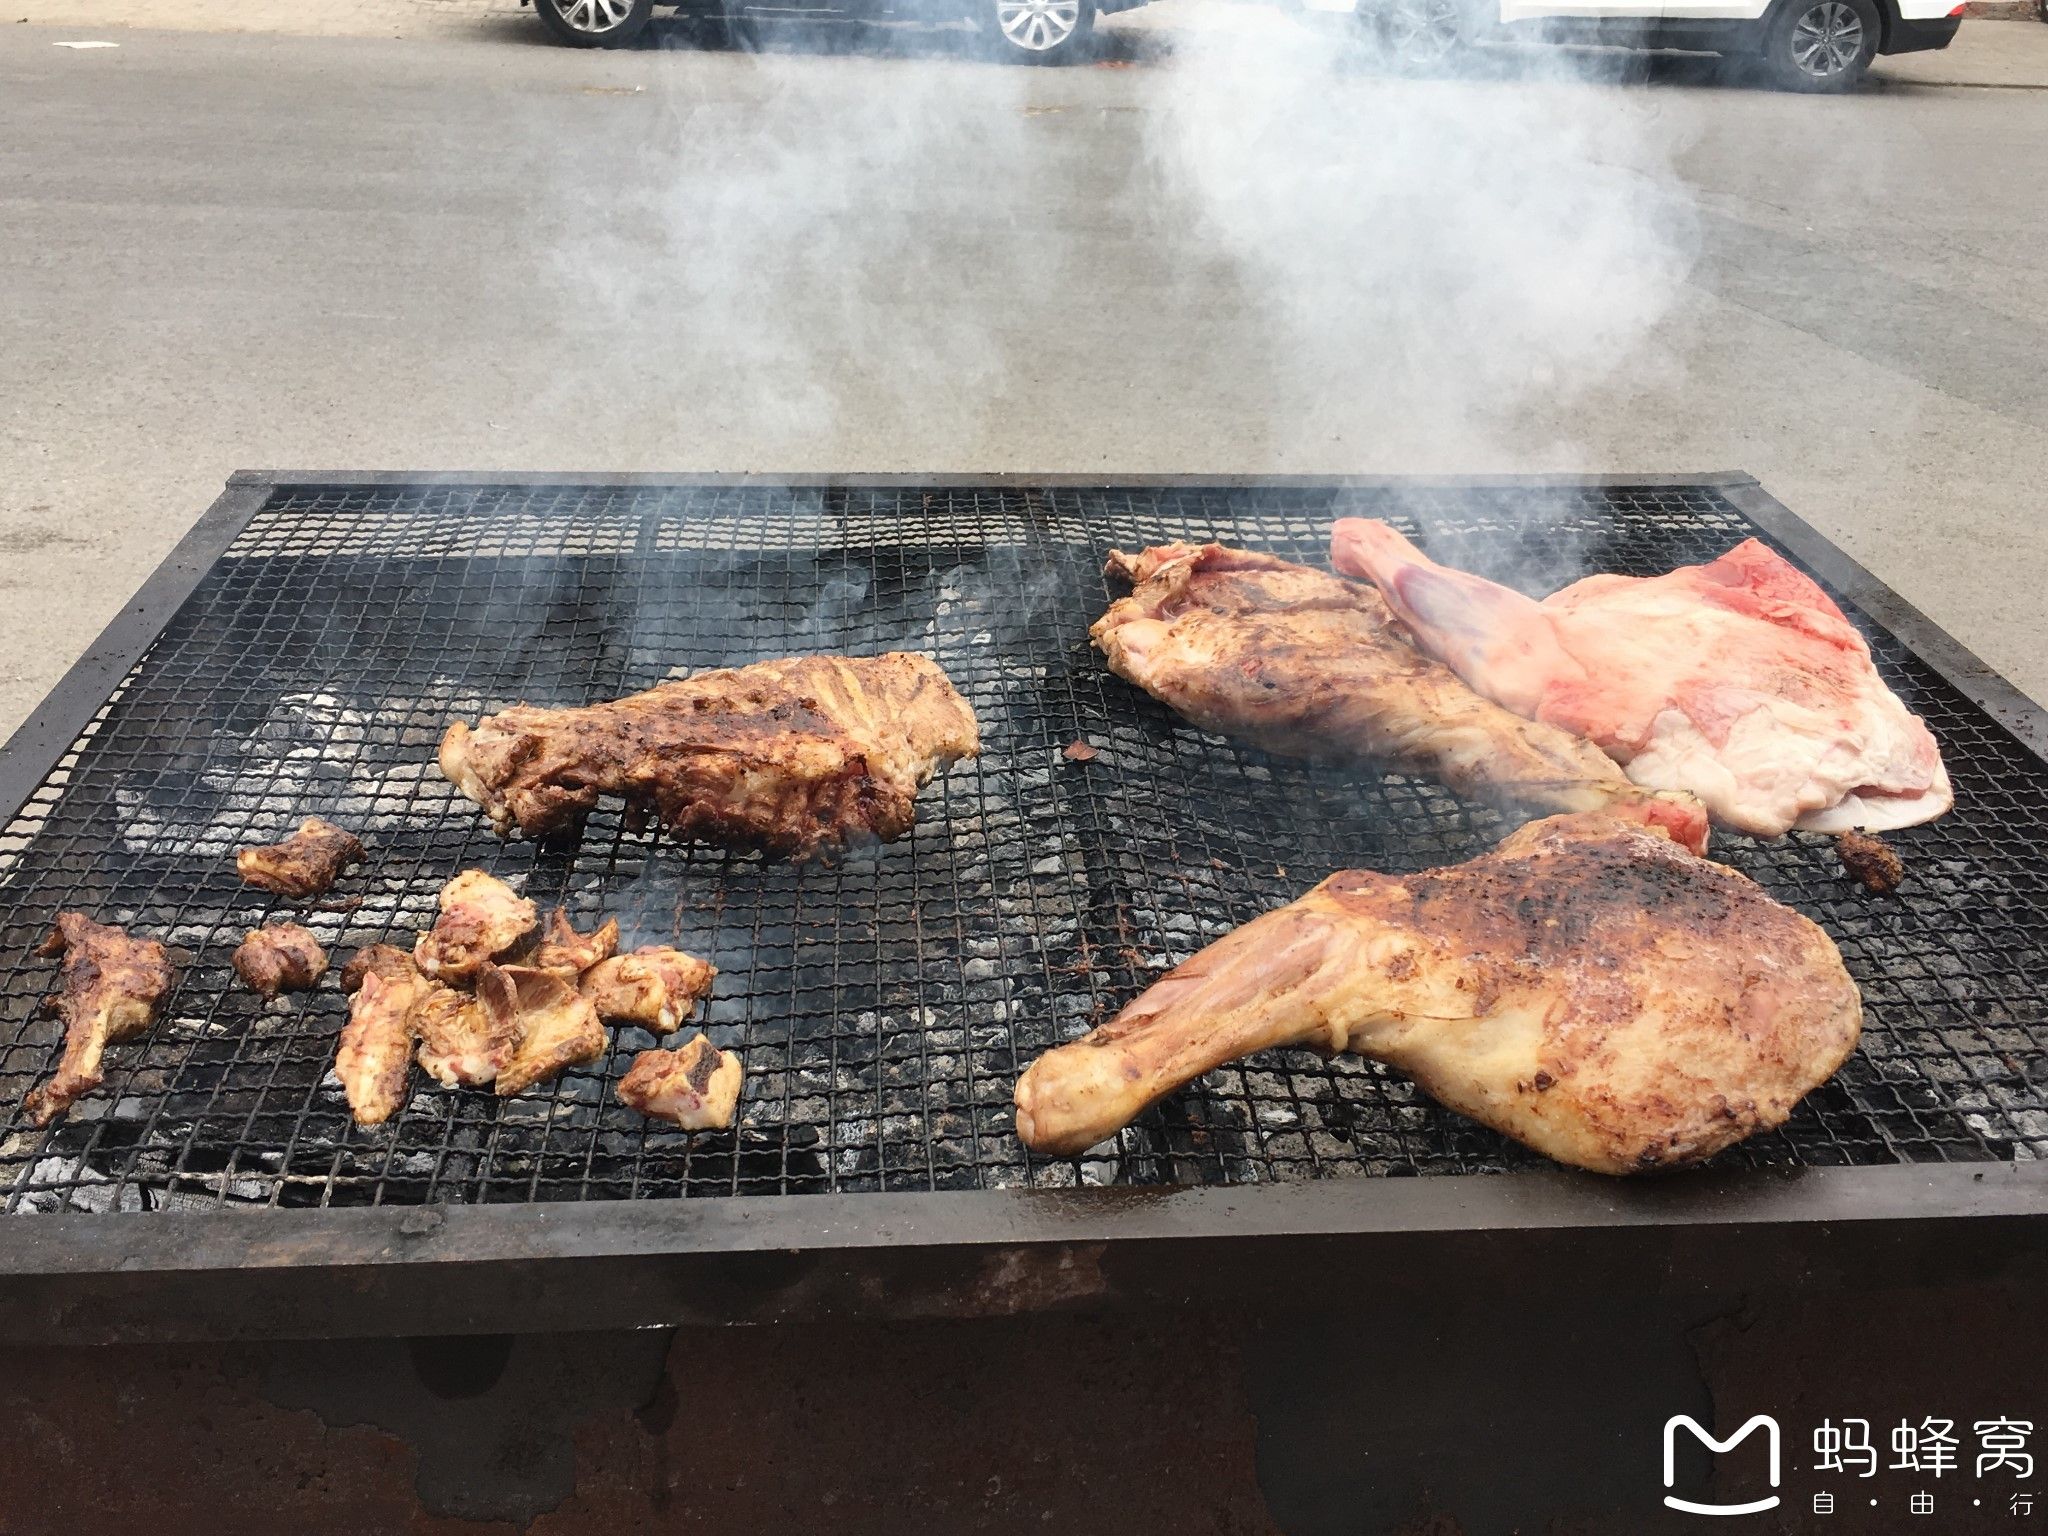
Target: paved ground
[(480, 251)]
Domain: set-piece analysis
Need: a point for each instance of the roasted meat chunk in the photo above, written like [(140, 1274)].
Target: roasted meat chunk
[(280, 957), (112, 986), (1588, 988), (1308, 665), (374, 1060), (467, 1038), (696, 1087), (482, 918), (655, 987), (557, 1027), (1738, 680), (563, 949), (799, 757), (305, 864)]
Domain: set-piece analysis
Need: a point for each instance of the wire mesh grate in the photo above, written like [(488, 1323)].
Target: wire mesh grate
[(883, 1006)]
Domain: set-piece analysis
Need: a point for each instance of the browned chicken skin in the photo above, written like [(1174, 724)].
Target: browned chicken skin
[(305, 864), (655, 987), (111, 989), (563, 949), (280, 957), (799, 757), (482, 918), (1309, 665), (696, 1087), (1588, 988)]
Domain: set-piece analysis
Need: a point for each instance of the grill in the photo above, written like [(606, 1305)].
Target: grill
[(883, 1006)]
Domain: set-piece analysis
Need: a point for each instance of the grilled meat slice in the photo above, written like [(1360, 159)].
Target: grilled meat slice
[(467, 1038), (557, 1027), (1308, 665), (1739, 680), (374, 1059), (655, 987), (305, 864), (1871, 861), (1587, 988), (563, 949), (799, 757), (112, 986), (696, 1087), (280, 957), (482, 918)]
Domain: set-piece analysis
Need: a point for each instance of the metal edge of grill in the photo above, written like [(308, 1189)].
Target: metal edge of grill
[(950, 1243)]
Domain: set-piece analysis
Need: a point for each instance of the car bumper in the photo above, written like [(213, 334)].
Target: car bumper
[(1909, 35)]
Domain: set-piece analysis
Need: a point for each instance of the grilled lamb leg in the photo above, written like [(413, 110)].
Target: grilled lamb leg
[(1306, 664), (1588, 988), (112, 987), (799, 757)]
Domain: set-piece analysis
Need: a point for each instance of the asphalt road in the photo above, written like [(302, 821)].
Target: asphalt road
[(241, 251)]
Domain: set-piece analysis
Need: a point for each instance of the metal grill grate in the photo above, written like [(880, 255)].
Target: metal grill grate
[(884, 1007)]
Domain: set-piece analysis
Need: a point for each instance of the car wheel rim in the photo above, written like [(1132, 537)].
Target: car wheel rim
[(1422, 31), (595, 16), (1828, 40), (1038, 25)]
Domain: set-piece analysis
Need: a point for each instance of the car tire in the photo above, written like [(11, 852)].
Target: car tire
[(1041, 31), (1820, 45), (1422, 37), (595, 23)]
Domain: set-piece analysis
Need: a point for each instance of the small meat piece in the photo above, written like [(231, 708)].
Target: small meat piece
[(374, 1060), (655, 987), (466, 1039), (557, 1027), (482, 918), (280, 957), (799, 757), (112, 987), (386, 960), (1871, 860), (303, 865), (563, 949), (696, 1087), (1079, 752)]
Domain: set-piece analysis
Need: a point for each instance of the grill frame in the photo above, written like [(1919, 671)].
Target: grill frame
[(115, 1275)]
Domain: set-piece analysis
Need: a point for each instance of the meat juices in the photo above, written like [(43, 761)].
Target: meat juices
[(1588, 988), (111, 988), (280, 957), (305, 864), (1739, 680), (800, 757)]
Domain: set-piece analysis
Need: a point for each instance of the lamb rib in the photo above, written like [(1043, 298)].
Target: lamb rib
[(1588, 988), (799, 757), (1308, 665)]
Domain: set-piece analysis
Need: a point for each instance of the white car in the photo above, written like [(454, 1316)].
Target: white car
[(1802, 45)]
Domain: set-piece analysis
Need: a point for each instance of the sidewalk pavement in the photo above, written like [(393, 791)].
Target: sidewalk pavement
[(2007, 54)]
